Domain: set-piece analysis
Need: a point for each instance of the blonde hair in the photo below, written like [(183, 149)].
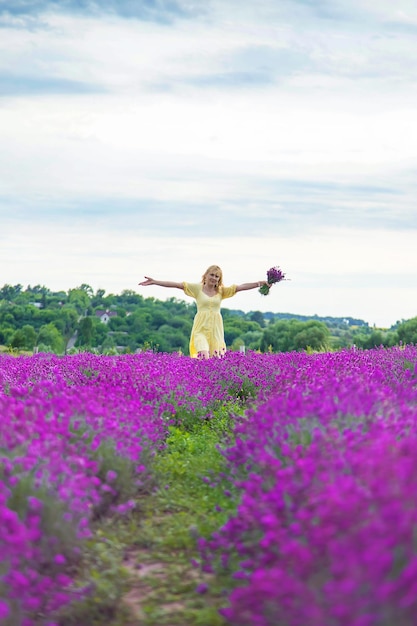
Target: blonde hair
[(214, 268)]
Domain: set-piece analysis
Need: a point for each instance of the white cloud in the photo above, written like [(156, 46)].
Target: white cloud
[(128, 143)]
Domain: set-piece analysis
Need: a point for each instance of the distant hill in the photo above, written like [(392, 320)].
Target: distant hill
[(328, 320)]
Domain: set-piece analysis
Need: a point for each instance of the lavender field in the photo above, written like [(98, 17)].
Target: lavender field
[(320, 466)]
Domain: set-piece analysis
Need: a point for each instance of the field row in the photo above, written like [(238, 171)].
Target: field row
[(322, 465)]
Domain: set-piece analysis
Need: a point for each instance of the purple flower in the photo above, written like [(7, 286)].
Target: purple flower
[(35, 504), (60, 559), (273, 275), (111, 476), (4, 610)]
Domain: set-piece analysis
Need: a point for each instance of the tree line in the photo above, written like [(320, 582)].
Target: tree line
[(38, 319)]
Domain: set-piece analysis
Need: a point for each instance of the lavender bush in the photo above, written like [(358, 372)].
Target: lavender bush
[(324, 462), (77, 440), (325, 532)]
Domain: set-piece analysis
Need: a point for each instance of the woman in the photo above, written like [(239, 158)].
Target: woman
[(207, 334)]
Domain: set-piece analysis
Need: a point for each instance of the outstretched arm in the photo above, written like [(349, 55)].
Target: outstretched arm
[(247, 286), (161, 283)]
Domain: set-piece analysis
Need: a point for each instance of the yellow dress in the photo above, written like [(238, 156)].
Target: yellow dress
[(207, 333)]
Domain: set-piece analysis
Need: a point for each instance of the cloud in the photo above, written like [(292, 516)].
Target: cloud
[(245, 133), (290, 208), (330, 10), (161, 11), (231, 80), (251, 67), (26, 85)]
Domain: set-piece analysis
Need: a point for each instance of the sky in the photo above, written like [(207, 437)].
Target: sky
[(157, 137)]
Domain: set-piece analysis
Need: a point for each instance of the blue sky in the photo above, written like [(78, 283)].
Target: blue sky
[(156, 137)]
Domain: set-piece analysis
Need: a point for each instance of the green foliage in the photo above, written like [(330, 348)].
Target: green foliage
[(407, 331), (410, 366), (236, 327), (9, 292), (257, 316), (252, 339), (375, 339), (79, 299), (293, 335), (109, 345), (51, 339), (190, 457), (67, 322), (85, 332), (24, 338), (172, 339), (101, 572), (98, 297)]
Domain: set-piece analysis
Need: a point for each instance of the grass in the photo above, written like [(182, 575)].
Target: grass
[(142, 565)]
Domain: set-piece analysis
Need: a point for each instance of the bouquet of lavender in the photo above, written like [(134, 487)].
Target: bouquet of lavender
[(273, 275)]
